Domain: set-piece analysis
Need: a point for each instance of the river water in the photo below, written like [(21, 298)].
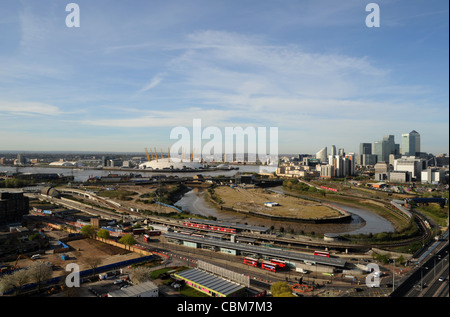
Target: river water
[(363, 221)]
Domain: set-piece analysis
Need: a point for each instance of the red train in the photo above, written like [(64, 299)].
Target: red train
[(209, 227)]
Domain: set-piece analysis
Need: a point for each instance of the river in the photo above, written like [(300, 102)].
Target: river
[(362, 221), (81, 175)]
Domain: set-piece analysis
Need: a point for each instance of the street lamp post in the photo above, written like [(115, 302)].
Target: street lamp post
[(421, 277)]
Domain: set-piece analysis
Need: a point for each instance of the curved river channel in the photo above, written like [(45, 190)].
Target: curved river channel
[(362, 221)]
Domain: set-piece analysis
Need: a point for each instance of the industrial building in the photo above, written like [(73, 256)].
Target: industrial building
[(210, 284)]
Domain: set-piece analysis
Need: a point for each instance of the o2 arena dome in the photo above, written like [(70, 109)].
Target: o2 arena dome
[(170, 163)]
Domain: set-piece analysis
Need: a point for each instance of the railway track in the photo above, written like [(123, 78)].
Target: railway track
[(120, 211)]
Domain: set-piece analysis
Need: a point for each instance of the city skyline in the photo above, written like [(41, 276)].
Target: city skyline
[(130, 73)]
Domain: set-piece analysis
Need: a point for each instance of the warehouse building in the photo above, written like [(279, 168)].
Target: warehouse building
[(210, 284)]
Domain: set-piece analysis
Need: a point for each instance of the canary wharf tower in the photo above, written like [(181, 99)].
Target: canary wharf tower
[(410, 143)]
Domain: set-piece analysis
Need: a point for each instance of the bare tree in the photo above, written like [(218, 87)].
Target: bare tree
[(15, 281), (140, 274), (93, 263), (40, 272)]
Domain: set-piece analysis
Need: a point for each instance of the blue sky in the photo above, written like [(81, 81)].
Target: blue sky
[(134, 70)]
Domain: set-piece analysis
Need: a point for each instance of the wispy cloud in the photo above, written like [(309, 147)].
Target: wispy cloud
[(29, 108), (152, 84)]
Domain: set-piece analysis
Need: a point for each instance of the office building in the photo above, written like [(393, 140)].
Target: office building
[(327, 171), (410, 143), (322, 155), (432, 175), (410, 164), (380, 149), (365, 148), (333, 150), (13, 206)]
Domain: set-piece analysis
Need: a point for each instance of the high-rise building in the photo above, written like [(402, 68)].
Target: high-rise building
[(410, 143), (365, 148), (380, 149), (390, 147), (322, 155), (333, 150), (13, 206)]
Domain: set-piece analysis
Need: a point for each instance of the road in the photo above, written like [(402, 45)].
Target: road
[(424, 281)]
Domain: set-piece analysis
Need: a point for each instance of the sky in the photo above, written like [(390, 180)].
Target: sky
[(135, 70)]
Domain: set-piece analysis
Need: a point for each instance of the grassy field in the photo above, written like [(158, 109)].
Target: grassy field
[(253, 199)]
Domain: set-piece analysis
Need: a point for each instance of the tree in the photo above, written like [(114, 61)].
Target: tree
[(93, 263), (281, 289), (87, 230), (128, 239), (103, 233), (140, 274), (40, 272)]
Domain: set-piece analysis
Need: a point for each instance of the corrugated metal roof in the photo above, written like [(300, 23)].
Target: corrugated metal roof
[(210, 281)]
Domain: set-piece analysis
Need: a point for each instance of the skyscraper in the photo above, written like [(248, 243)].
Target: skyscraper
[(322, 155), (390, 147), (333, 150), (410, 143), (365, 148), (380, 149)]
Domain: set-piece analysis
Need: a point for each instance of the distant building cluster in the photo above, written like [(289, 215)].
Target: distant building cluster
[(383, 160)]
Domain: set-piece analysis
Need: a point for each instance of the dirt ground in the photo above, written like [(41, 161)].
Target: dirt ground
[(81, 252), (253, 199), (136, 202)]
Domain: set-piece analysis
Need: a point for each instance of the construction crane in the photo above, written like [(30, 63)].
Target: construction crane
[(22, 256)]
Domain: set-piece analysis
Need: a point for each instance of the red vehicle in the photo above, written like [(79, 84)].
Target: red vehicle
[(139, 231), (322, 253), (208, 227), (279, 263), (269, 266), (154, 233), (251, 262)]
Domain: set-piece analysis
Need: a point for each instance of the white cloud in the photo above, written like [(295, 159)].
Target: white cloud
[(29, 108)]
